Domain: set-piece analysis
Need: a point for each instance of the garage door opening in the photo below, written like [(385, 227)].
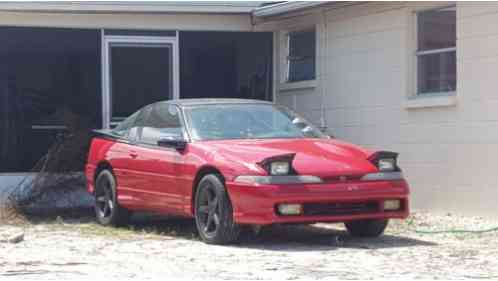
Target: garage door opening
[(50, 81), (226, 65), (56, 81)]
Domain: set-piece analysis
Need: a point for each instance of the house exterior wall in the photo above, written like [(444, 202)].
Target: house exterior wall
[(364, 92), (148, 21)]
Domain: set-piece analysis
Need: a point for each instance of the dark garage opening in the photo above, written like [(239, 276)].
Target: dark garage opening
[(50, 82), (226, 65)]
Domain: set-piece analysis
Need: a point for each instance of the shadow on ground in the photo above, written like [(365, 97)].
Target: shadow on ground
[(275, 238), (320, 238)]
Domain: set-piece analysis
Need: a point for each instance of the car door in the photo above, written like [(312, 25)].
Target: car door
[(159, 167), (123, 155)]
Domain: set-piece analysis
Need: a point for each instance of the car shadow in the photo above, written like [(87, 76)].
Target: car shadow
[(288, 238), (316, 237), (320, 238)]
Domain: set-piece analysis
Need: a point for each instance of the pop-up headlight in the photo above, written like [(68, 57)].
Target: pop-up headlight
[(385, 161), (279, 168), (280, 165)]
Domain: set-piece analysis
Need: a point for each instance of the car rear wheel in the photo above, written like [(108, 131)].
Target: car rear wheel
[(213, 212), (107, 209), (366, 228)]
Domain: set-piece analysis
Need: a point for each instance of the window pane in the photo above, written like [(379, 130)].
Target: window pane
[(437, 29), (163, 121), (302, 44), (302, 55), (300, 70), (437, 72)]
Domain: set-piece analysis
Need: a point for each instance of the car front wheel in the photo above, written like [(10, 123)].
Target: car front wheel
[(366, 228), (107, 209), (213, 212)]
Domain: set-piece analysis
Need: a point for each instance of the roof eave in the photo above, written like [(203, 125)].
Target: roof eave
[(214, 7), (286, 7)]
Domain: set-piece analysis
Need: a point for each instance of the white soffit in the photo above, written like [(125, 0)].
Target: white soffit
[(285, 7)]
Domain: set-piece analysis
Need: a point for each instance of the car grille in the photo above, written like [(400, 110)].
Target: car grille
[(339, 208)]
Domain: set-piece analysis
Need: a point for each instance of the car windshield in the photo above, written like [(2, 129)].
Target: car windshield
[(247, 121)]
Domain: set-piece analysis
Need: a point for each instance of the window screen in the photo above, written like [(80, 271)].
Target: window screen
[(301, 58), (436, 54), (141, 74)]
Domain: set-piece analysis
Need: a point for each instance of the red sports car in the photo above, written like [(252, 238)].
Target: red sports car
[(230, 163)]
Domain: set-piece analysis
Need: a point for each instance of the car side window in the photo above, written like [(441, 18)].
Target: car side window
[(163, 121), (138, 123), (123, 128), (130, 127)]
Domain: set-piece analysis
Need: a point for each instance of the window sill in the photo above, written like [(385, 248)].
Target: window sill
[(431, 101), (290, 86)]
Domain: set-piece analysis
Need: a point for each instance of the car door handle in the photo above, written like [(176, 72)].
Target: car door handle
[(133, 154)]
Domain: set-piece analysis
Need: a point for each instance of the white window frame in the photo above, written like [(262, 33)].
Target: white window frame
[(107, 40), (418, 53)]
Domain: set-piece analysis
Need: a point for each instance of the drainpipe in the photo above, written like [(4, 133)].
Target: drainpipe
[(323, 52)]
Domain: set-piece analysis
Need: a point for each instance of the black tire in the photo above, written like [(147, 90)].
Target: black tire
[(107, 210), (366, 228), (213, 212)]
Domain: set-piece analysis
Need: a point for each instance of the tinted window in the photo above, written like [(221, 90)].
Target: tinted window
[(163, 121)]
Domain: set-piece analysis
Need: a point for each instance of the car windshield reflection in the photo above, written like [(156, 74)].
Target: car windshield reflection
[(247, 121)]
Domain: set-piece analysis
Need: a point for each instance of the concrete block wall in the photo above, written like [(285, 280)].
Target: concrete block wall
[(365, 83)]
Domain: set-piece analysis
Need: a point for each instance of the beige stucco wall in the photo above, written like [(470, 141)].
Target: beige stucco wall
[(165, 21), (365, 77)]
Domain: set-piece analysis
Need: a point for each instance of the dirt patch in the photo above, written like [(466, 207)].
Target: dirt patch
[(153, 247)]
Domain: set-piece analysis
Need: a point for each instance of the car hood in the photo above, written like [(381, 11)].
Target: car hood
[(320, 157)]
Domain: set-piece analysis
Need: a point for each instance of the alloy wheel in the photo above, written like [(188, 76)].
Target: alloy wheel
[(104, 199), (209, 210)]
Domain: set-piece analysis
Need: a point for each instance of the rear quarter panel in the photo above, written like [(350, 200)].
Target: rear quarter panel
[(99, 150)]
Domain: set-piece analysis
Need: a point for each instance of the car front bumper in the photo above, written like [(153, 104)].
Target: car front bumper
[(325, 202)]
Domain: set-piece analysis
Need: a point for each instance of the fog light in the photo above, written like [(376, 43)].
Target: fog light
[(290, 209), (392, 205)]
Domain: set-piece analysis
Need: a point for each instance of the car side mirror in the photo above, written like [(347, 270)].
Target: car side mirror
[(177, 143)]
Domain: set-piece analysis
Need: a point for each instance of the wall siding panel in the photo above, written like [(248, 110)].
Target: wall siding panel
[(448, 154)]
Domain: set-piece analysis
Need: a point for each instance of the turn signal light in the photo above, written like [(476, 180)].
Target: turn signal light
[(392, 205), (290, 209)]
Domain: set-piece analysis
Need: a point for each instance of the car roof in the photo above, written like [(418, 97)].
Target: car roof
[(211, 101)]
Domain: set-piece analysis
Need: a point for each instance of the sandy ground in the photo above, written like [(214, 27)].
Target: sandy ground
[(153, 248)]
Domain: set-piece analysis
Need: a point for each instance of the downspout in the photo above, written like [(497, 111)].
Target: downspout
[(323, 52)]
